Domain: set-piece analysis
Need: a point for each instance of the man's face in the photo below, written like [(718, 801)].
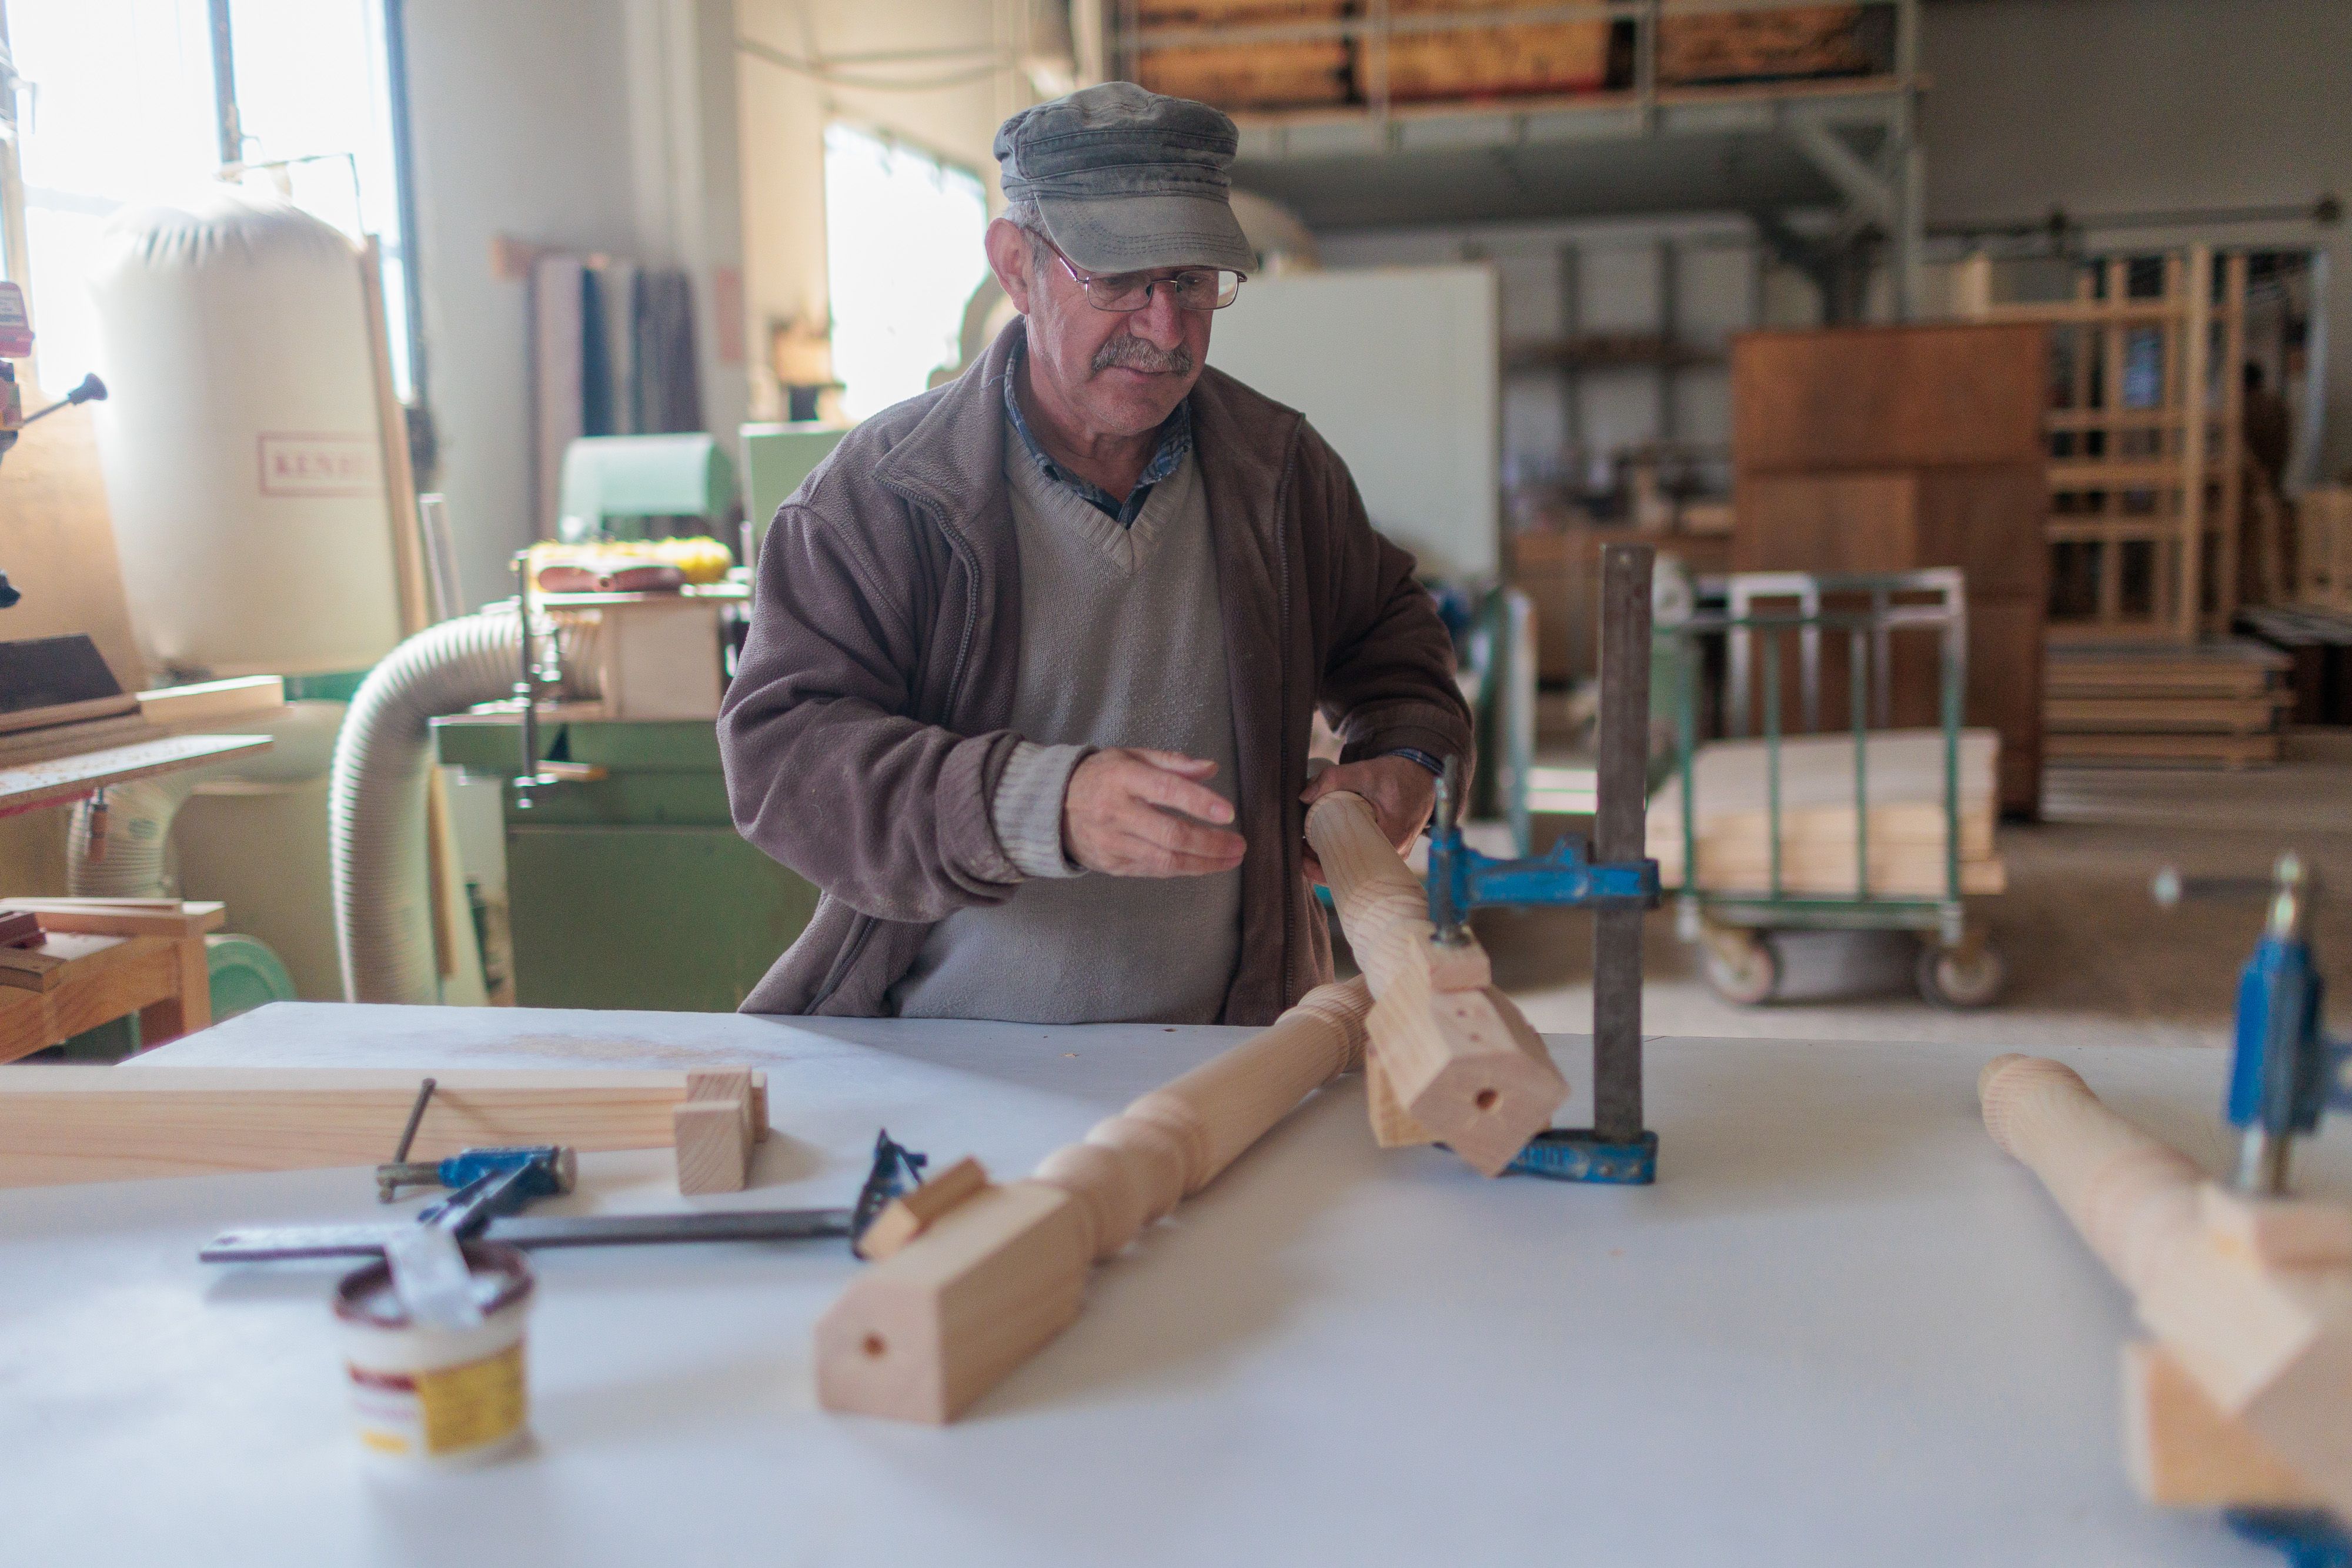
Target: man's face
[(1119, 372)]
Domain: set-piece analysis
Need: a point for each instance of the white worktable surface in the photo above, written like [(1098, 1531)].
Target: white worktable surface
[(1843, 1328)]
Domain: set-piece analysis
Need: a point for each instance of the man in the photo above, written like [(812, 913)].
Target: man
[(1034, 656)]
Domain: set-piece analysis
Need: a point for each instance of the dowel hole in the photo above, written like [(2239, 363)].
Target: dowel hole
[(875, 1345), (1486, 1098)]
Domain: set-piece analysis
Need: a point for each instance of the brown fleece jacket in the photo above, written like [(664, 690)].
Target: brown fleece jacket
[(863, 734)]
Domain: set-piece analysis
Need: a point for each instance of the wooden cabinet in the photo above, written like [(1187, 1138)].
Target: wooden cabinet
[(1877, 449)]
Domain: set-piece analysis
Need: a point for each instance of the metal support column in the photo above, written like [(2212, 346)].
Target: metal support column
[(1619, 835)]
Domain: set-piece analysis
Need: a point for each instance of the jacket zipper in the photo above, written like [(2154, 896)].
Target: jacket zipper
[(1282, 742), (864, 929)]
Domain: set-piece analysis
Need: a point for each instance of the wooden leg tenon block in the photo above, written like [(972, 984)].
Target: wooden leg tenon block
[(1458, 1062)]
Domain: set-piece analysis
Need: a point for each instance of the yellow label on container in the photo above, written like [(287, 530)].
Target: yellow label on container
[(466, 1407)]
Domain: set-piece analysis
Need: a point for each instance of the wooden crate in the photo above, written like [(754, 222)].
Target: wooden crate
[(1560, 574), (1294, 73), (1879, 449), (1540, 59), (1796, 41)]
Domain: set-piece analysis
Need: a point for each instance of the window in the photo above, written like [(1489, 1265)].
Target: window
[(903, 237), (119, 103)]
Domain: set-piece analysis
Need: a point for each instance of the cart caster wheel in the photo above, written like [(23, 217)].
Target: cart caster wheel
[(1746, 971), (1953, 977)]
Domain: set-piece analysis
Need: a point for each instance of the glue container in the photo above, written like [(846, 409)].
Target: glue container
[(442, 1395)]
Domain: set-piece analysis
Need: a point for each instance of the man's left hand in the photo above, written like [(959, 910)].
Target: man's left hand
[(1400, 790)]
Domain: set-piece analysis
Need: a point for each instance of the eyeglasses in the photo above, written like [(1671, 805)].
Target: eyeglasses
[(1193, 288)]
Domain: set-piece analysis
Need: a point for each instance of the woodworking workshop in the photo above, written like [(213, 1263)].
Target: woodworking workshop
[(1032, 783)]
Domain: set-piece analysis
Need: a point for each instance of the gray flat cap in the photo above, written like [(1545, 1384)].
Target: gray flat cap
[(1127, 179)]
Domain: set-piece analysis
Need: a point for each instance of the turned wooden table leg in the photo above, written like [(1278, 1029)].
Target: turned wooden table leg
[(979, 1288)]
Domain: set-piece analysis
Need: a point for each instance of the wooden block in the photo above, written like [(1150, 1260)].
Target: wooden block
[(2295, 1233), (712, 1131), (923, 1334), (759, 1107), (31, 968), (107, 977), (61, 1124), (19, 928), (1459, 1066), (1393, 1128), (911, 1214), (714, 1146), (2181, 1451)]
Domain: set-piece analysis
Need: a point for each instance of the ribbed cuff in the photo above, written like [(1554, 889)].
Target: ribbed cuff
[(1027, 808)]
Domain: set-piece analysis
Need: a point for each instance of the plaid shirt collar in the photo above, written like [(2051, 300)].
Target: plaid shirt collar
[(1175, 445)]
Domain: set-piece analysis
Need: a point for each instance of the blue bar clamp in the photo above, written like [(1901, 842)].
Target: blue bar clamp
[(1461, 880), (2284, 1074)]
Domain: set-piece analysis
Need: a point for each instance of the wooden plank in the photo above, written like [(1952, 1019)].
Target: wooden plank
[(124, 916), (68, 778), (2190, 392), (207, 702), (415, 602), (60, 1124), (2219, 750), (56, 542), (2111, 338), (2165, 715), (1887, 397), (926, 1331), (2231, 426)]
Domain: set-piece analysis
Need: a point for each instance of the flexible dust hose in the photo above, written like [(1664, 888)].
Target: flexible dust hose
[(125, 858), (376, 803), (129, 859)]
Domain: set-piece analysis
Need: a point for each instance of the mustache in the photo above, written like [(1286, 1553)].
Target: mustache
[(1135, 354)]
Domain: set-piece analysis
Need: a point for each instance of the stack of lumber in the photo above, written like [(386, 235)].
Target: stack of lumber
[(1906, 824), (1251, 73), (1542, 58), (1787, 42), (2215, 704), (2317, 642)]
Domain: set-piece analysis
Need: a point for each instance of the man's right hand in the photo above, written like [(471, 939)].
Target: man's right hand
[(1120, 815)]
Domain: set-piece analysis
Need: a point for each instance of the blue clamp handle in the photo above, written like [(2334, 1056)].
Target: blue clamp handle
[(1461, 880), (2284, 1070)]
